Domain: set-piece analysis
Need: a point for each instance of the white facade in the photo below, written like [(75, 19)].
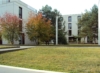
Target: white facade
[(12, 6), (71, 26)]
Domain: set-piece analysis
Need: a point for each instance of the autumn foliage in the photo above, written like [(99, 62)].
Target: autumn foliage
[(39, 28), (9, 25)]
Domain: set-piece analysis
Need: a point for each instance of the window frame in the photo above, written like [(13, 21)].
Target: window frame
[(20, 12), (69, 18), (69, 26)]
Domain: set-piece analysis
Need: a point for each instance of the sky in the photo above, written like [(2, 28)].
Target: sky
[(64, 6)]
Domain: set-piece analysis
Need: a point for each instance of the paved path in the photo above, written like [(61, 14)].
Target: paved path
[(13, 49), (10, 69)]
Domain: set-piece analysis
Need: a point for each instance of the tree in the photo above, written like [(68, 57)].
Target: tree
[(61, 36), (89, 24), (10, 27), (94, 22), (51, 14), (39, 28)]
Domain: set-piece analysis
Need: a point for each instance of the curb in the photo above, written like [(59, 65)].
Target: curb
[(11, 50), (27, 69)]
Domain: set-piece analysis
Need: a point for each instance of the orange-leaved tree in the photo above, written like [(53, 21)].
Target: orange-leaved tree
[(39, 28), (9, 24)]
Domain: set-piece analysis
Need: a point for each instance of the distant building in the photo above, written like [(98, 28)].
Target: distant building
[(72, 29), (20, 9)]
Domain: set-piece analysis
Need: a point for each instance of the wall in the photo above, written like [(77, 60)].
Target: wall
[(66, 26), (74, 24), (13, 7)]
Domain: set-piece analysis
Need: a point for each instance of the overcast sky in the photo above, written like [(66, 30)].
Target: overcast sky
[(64, 6)]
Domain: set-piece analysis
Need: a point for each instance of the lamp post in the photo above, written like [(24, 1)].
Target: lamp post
[(57, 30), (99, 24)]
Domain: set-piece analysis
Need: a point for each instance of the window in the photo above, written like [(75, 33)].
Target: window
[(79, 17), (69, 19), (22, 38), (69, 26), (78, 32), (20, 12), (70, 32), (79, 27), (20, 25), (71, 39)]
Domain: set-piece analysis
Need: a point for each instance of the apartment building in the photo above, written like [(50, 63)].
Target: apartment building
[(20, 9), (72, 28)]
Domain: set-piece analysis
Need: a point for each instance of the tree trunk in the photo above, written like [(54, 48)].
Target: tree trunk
[(84, 40), (35, 42), (77, 40), (94, 40)]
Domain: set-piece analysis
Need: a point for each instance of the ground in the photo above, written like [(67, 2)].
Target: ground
[(63, 59)]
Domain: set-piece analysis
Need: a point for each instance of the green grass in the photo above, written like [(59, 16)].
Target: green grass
[(64, 59), (84, 44), (73, 45)]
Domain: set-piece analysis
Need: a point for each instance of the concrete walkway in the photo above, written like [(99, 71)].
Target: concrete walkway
[(13, 49), (10, 69)]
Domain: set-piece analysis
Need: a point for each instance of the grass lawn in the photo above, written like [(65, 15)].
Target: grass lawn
[(63, 59), (74, 45)]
